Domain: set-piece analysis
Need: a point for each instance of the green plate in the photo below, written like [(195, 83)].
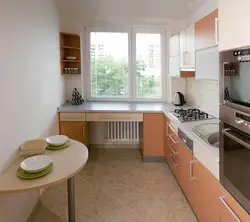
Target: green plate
[(30, 176), (49, 147)]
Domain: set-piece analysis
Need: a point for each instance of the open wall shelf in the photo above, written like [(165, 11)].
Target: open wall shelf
[(70, 47)]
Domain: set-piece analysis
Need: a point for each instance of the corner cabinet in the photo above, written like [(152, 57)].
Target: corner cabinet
[(234, 20), (74, 126), (206, 31)]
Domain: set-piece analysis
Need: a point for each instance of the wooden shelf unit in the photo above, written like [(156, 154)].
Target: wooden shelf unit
[(70, 47)]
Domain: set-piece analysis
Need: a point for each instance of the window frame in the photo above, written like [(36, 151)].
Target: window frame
[(132, 31)]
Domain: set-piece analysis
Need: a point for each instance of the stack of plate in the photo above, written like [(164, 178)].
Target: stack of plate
[(35, 167), (33, 147), (57, 142)]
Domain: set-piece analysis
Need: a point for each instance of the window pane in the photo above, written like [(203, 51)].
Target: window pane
[(148, 66), (109, 64)]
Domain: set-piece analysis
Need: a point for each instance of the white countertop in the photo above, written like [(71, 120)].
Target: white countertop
[(147, 107)]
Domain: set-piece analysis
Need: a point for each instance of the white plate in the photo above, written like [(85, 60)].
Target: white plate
[(57, 140), (35, 164)]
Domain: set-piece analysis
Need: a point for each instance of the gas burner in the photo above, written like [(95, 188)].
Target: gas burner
[(186, 115)]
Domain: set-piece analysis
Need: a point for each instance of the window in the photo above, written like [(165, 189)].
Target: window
[(126, 65)]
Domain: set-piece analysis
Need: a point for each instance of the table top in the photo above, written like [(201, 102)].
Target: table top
[(67, 163)]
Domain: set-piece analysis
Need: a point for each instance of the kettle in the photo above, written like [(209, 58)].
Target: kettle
[(179, 99)]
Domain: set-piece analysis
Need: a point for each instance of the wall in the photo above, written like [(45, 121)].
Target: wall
[(31, 87), (203, 93)]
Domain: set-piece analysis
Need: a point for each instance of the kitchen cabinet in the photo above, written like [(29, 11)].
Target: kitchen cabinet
[(174, 45), (206, 192), (230, 210), (187, 52), (207, 63), (76, 130), (174, 66), (171, 151), (234, 20), (186, 177), (153, 135), (206, 31)]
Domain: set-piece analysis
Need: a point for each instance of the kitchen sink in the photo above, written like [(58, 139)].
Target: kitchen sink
[(209, 133), (214, 139)]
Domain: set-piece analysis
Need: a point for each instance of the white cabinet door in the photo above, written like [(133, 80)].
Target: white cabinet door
[(234, 17), (174, 45), (190, 58), (174, 66), (207, 63), (187, 51)]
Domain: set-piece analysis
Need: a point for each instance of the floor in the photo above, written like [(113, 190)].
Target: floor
[(116, 186)]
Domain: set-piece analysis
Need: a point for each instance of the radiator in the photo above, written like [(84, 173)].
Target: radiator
[(123, 132)]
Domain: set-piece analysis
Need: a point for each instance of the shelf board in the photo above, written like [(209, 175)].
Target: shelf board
[(72, 73), (71, 61), (70, 47)]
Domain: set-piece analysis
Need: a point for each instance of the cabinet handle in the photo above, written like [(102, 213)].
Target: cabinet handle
[(172, 128), (173, 151), (174, 141), (171, 158), (222, 199), (216, 31), (191, 175)]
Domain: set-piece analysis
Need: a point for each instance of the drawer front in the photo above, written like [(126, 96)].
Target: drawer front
[(72, 117), (119, 117)]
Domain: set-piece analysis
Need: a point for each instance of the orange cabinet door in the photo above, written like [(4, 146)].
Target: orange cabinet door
[(206, 191), (206, 31), (185, 159), (75, 130), (153, 135), (230, 210)]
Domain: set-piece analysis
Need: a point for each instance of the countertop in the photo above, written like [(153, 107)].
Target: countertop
[(145, 107)]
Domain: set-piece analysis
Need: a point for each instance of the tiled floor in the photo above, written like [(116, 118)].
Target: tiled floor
[(116, 186)]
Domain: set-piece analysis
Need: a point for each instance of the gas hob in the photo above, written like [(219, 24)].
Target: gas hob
[(187, 115)]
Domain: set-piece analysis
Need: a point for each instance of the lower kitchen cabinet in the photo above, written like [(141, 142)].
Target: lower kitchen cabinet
[(76, 130), (186, 177), (153, 135), (230, 210), (206, 190)]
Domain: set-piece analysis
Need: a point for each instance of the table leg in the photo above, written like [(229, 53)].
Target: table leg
[(71, 200)]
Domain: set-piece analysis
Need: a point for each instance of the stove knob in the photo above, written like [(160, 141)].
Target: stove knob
[(185, 141), (239, 121)]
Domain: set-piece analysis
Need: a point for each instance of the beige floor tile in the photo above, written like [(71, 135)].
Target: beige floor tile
[(116, 186)]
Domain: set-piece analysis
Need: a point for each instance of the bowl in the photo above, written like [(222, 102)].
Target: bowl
[(33, 147)]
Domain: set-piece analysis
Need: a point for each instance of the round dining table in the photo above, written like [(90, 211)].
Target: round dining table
[(66, 164)]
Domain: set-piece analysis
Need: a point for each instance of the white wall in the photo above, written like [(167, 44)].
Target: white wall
[(203, 93), (31, 87)]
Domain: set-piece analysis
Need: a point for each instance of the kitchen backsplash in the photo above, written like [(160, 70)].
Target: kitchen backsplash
[(203, 94)]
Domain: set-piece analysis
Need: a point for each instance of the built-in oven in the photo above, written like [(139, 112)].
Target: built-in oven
[(235, 79), (235, 154)]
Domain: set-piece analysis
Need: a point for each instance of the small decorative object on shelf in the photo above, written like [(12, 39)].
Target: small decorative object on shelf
[(76, 98)]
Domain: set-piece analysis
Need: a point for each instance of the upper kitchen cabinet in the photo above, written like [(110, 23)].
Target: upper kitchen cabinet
[(174, 45), (70, 50), (234, 20), (206, 29), (187, 51)]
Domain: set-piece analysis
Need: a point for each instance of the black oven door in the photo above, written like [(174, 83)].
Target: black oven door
[(235, 163)]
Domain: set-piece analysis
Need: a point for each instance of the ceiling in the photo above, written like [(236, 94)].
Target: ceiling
[(124, 9)]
